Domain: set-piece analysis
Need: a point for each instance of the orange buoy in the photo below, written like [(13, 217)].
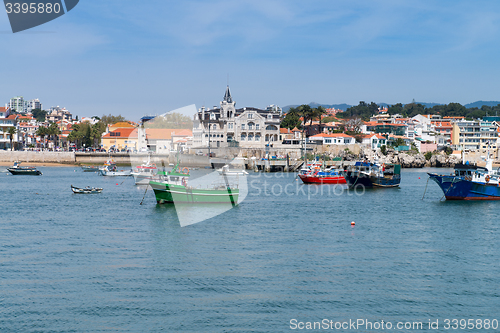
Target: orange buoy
[(353, 223)]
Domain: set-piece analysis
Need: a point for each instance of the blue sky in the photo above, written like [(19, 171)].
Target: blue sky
[(148, 57)]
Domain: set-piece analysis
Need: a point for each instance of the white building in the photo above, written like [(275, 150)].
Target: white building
[(227, 126), (33, 104), (17, 104), (56, 114), (7, 121), (332, 139)]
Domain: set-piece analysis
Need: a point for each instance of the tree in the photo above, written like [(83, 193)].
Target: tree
[(54, 132), (399, 142), (110, 119), (306, 112), (383, 149), (291, 119), (39, 115), (318, 113), (11, 131), (42, 132)]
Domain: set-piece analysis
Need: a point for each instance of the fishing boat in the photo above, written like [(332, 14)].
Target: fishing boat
[(173, 187), (371, 175), (324, 176), (90, 168), (17, 169), (109, 169), (86, 190), (145, 172), (470, 182)]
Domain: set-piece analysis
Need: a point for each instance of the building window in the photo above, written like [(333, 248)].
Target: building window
[(271, 128), (243, 137), (250, 137), (328, 140), (257, 127), (269, 116), (250, 126), (250, 116), (257, 137), (242, 126)]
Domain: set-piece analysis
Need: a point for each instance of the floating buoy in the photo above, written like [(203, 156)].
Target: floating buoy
[(418, 177), (116, 183), (353, 223)]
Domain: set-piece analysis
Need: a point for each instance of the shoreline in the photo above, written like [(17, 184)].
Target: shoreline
[(41, 164)]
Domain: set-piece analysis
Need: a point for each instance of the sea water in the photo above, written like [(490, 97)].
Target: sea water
[(286, 257)]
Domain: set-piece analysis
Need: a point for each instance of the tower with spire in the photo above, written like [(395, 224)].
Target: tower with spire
[(227, 105)]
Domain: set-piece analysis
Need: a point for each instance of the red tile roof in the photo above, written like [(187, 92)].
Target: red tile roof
[(123, 133), (285, 131), (332, 135)]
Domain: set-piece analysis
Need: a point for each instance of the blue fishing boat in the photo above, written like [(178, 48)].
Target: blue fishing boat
[(371, 175), (470, 182)]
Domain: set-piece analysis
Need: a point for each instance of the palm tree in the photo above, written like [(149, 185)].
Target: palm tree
[(54, 131), (11, 131), (319, 112), (42, 132)]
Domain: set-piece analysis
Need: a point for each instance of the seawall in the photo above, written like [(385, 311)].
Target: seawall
[(99, 158)]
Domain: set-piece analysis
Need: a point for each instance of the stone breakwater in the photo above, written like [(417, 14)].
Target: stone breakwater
[(419, 161)]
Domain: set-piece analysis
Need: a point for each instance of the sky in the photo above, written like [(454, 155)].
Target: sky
[(148, 57)]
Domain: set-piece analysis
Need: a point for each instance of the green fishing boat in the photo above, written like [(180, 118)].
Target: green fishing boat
[(172, 187)]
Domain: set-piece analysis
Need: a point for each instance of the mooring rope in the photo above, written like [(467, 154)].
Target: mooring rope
[(426, 187)]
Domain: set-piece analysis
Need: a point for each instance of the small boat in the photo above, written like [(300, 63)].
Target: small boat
[(86, 190), (145, 172), (172, 187), (370, 175), (109, 169), (17, 169), (90, 168), (115, 172), (470, 182)]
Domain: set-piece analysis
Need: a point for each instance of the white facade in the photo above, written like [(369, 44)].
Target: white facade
[(17, 104), (227, 126), (33, 104)]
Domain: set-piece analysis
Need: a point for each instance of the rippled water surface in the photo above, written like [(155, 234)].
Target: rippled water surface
[(105, 263)]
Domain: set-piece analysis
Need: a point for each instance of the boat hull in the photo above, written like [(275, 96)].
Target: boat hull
[(78, 190), (25, 172), (354, 178), (168, 193), (89, 169), (322, 180), (115, 173), (458, 188)]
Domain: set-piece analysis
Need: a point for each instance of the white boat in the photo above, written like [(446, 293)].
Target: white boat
[(86, 190), (145, 172), (114, 172)]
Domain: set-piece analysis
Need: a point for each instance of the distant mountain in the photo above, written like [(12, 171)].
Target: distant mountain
[(478, 104), (344, 106)]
